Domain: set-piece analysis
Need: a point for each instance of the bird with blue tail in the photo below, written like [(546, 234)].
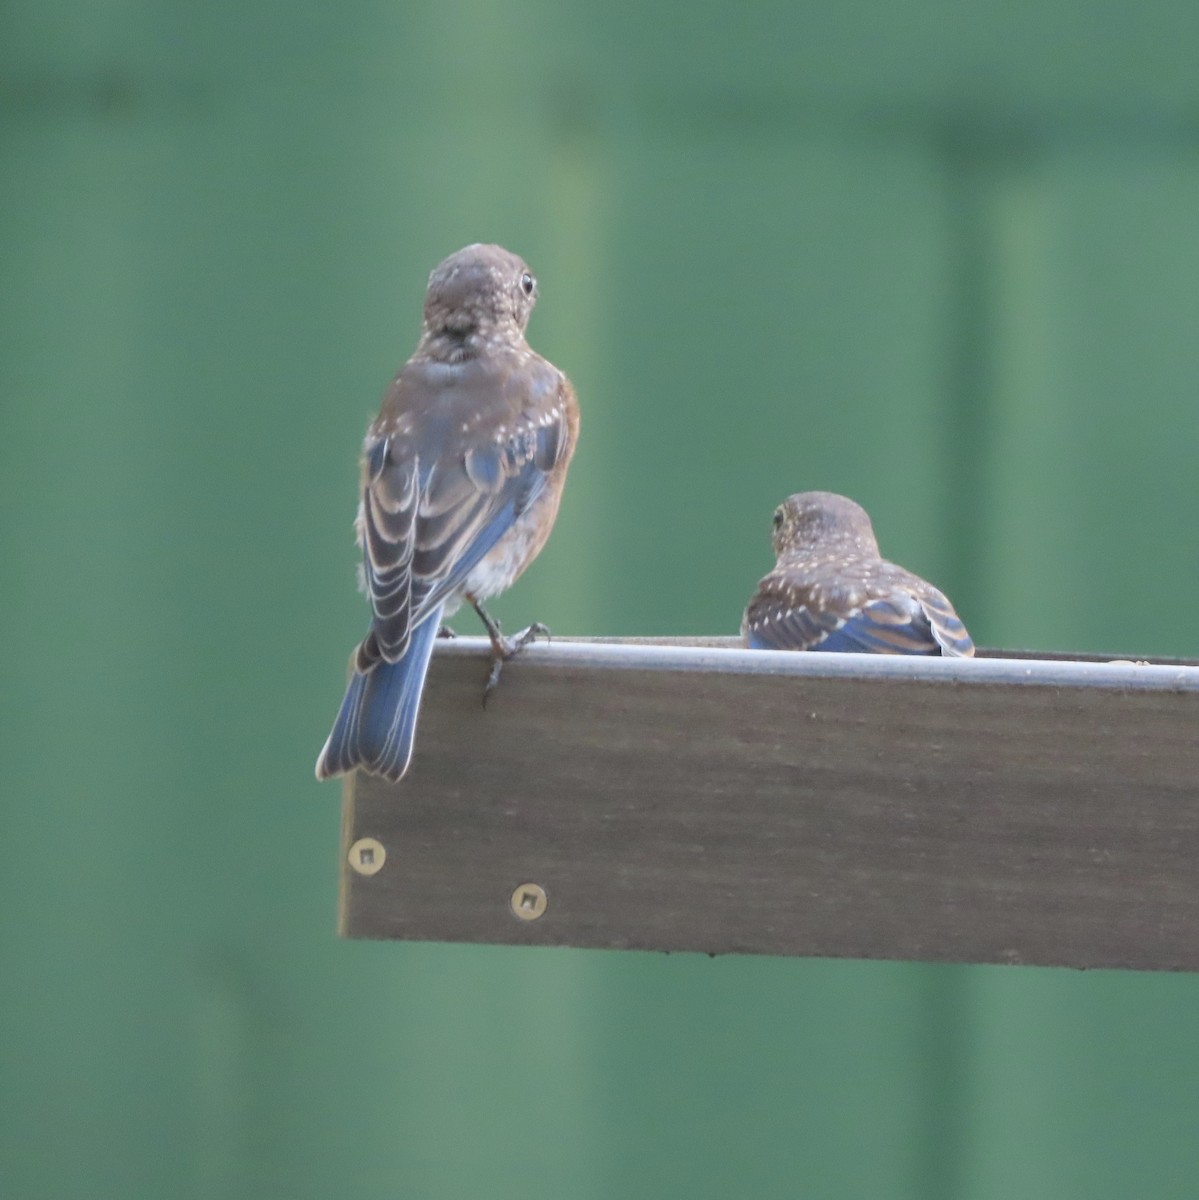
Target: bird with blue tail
[(461, 475), (831, 590)]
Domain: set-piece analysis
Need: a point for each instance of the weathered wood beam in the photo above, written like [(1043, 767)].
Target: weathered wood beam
[(700, 797)]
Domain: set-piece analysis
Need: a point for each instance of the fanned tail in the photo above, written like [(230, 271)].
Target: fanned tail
[(376, 724)]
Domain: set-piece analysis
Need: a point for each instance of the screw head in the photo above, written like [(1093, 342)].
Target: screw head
[(367, 856), (529, 901)]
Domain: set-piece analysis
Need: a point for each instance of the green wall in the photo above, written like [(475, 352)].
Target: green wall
[(942, 257)]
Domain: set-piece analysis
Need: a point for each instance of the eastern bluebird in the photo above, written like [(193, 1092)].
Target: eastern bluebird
[(831, 590), (461, 474)]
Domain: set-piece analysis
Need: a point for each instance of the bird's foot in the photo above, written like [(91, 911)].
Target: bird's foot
[(503, 648), (444, 631)]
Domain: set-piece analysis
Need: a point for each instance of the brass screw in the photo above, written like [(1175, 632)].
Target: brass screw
[(528, 901), (367, 856)]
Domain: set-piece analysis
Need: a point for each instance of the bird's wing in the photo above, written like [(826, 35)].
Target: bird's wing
[(879, 617), (946, 625), (786, 615), (429, 515)]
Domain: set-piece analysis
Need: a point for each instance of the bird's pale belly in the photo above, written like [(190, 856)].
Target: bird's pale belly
[(506, 561)]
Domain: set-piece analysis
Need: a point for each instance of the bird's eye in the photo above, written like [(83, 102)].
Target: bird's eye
[(778, 518), (527, 283)]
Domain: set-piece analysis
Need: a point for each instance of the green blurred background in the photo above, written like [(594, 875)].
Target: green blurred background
[(941, 257)]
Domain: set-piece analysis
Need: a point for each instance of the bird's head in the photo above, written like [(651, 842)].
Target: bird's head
[(481, 290), (811, 521)]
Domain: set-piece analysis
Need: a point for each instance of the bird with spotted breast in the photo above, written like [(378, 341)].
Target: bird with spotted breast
[(831, 589), (461, 475)]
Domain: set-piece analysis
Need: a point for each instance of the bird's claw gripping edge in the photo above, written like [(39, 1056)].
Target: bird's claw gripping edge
[(503, 648)]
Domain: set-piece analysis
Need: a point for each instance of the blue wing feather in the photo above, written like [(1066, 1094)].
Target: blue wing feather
[(789, 613)]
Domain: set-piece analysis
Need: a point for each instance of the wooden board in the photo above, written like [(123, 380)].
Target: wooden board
[(676, 797)]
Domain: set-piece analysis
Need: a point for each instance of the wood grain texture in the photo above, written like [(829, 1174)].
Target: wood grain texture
[(669, 797)]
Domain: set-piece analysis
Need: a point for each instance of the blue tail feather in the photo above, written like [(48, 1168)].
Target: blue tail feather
[(376, 724)]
